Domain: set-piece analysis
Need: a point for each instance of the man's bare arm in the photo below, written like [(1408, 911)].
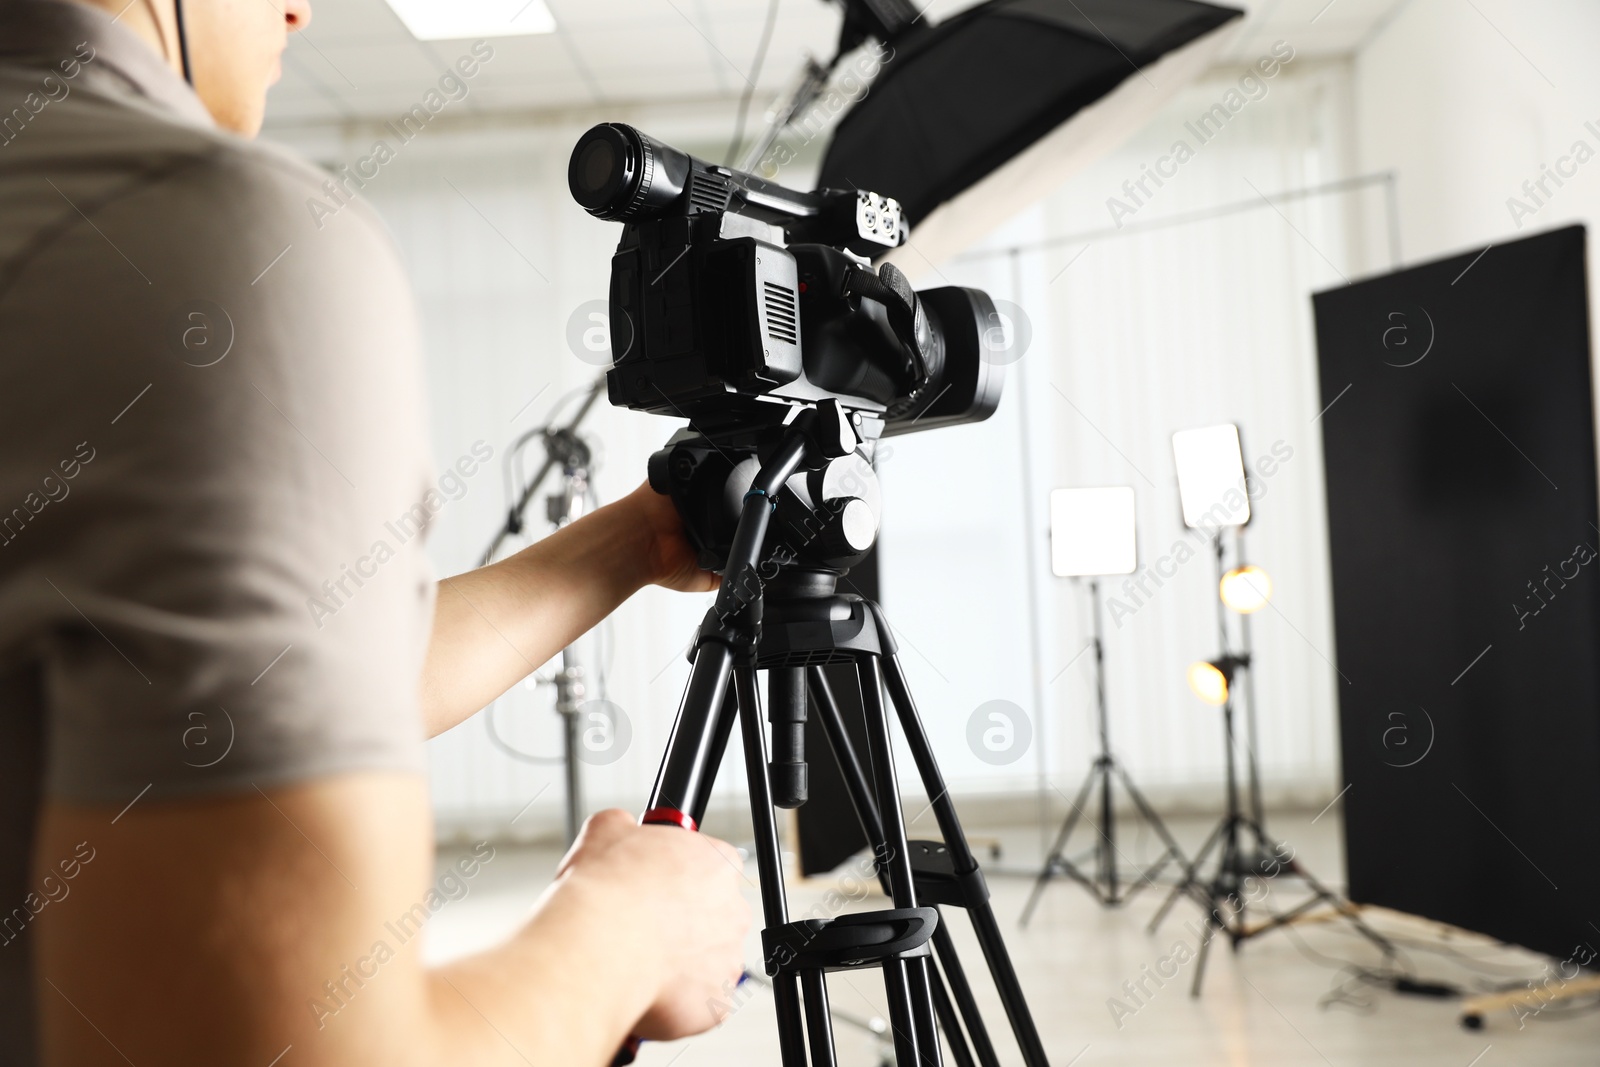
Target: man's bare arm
[(226, 930), (496, 625)]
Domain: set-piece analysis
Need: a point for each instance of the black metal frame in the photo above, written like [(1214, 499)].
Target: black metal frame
[(799, 623)]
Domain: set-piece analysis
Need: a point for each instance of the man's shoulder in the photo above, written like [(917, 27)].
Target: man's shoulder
[(257, 178), (109, 150)]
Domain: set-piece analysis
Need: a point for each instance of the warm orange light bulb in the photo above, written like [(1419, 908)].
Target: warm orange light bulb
[(1246, 589), (1208, 683)]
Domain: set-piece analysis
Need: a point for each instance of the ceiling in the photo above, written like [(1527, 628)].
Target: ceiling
[(357, 61)]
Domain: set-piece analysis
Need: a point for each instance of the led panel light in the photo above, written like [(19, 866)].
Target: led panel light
[(433, 20), (1211, 476), (1092, 532)]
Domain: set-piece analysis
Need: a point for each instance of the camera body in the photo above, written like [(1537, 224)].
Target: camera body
[(734, 300)]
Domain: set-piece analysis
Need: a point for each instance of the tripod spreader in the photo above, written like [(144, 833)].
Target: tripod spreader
[(855, 939)]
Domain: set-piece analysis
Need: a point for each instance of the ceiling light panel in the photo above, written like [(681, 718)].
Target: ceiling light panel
[(431, 20)]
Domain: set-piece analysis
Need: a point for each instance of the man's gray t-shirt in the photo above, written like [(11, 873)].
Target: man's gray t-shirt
[(211, 461)]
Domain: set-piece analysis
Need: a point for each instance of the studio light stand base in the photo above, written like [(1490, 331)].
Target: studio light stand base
[(1108, 884), (1225, 894)]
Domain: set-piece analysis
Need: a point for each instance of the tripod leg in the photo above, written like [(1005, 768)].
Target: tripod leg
[(955, 839), (769, 862), (867, 810), (898, 991), (1212, 928), (924, 1013), (1069, 824), (1188, 878), (680, 784), (1150, 815), (962, 991), (872, 825), (950, 1025), (819, 1024), (844, 754), (726, 718), (1344, 907), (902, 890), (1108, 834)]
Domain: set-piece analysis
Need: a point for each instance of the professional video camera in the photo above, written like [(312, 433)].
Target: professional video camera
[(752, 311), (735, 301)]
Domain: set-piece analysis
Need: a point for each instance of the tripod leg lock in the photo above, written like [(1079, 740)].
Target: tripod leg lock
[(739, 629), (938, 882), (858, 939)]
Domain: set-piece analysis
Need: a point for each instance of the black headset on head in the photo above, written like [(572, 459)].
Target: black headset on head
[(183, 35), (183, 41)]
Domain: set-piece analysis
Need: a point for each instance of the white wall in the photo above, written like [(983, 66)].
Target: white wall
[(1466, 102), (1146, 335)]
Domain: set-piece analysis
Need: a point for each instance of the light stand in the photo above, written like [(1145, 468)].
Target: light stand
[(566, 505), (1225, 894), (514, 515), (1252, 759), (1106, 883), (566, 450), (1243, 660)]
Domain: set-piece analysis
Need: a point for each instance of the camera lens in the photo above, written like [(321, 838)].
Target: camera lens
[(962, 385), (604, 170), (618, 173), (596, 163)]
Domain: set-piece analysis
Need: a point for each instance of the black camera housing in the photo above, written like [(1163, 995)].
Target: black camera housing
[(734, 300)]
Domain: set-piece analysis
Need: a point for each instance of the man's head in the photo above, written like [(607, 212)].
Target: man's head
[(235, 48)]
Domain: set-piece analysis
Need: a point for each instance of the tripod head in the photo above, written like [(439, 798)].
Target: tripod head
[(827, 520)]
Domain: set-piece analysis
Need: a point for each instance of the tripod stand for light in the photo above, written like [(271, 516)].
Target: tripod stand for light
[(789, 620), (569, 453), (1245, 855), (561, 508), (1106, 882)]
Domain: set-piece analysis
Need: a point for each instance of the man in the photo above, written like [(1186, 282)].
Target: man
[(210, 418)]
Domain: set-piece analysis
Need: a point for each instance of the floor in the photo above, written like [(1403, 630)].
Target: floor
[(1094, 976)]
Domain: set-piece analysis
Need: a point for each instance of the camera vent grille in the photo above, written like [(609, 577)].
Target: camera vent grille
[(783, 317), (707, 192)]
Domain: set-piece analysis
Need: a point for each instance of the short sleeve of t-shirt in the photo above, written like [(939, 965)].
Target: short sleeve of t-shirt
[(210, 468)]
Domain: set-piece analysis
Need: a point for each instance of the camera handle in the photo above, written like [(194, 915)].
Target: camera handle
[(907, 317)]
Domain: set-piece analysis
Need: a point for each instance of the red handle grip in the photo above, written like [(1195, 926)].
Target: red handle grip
[(668, 817)]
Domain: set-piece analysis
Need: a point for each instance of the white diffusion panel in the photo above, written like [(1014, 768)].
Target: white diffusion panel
[(1092, 532), (1210, 470)]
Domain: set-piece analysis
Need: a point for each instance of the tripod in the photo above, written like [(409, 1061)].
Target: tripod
[(790, 621), (1235, 885), (566, 450), (1106, 883), (561, 508)]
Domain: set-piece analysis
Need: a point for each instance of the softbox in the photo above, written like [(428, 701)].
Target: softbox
[(976, 119)]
